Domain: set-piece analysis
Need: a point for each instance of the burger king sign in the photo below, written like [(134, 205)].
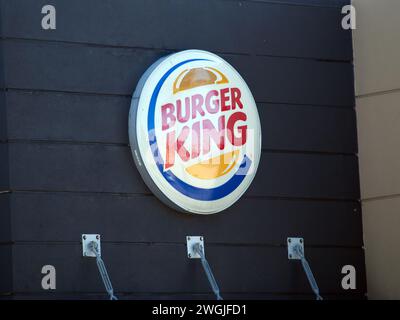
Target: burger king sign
[(195, 132)]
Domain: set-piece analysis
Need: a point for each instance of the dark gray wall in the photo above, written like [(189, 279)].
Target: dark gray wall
[(71, 171), (5, 218)]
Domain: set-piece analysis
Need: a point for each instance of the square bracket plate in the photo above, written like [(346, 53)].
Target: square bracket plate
[(190, 241), (86, 239), (292, 243)]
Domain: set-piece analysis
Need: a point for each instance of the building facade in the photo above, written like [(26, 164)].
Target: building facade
[(67, 169)]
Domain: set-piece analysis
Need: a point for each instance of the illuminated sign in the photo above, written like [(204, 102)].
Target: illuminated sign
[(195, 132)]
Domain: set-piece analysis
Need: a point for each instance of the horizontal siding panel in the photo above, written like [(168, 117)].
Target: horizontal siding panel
[(82, 68), (166, 268), (3, 110), (104, 119), (6, 274), (308, 128), (69, 167), (2, 84), (3, 113), (42, 216), (306, 176), (104, 168), (5, 218), (4, 168), (222, 26)]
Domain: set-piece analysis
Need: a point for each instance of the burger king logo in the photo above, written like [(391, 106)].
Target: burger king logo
[(195, 132)]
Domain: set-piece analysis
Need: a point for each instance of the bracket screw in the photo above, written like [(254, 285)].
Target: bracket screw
[(201, 238), (97, 237), (188, 238), (189, 255), (290, 256), (289, 240), (84, 237), (301, 240)]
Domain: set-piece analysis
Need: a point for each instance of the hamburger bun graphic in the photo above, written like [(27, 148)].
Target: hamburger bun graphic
[(194, 132), (197, 77), (214, 167)]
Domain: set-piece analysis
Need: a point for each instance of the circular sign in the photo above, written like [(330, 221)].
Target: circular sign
[(195, 132)]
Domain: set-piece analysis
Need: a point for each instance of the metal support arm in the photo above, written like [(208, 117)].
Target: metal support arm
[(198, 248), (307, 270), (91, 247), (296, 252), (195, 250), (103, 271)]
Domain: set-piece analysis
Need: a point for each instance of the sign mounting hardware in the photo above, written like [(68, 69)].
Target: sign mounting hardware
[(292, 244), (190, 242), (86, 249)]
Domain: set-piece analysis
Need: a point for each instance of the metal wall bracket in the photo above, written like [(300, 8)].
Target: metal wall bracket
[(190, 242), (88, 238), (291, 244), (195, 250), (296, 252)]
